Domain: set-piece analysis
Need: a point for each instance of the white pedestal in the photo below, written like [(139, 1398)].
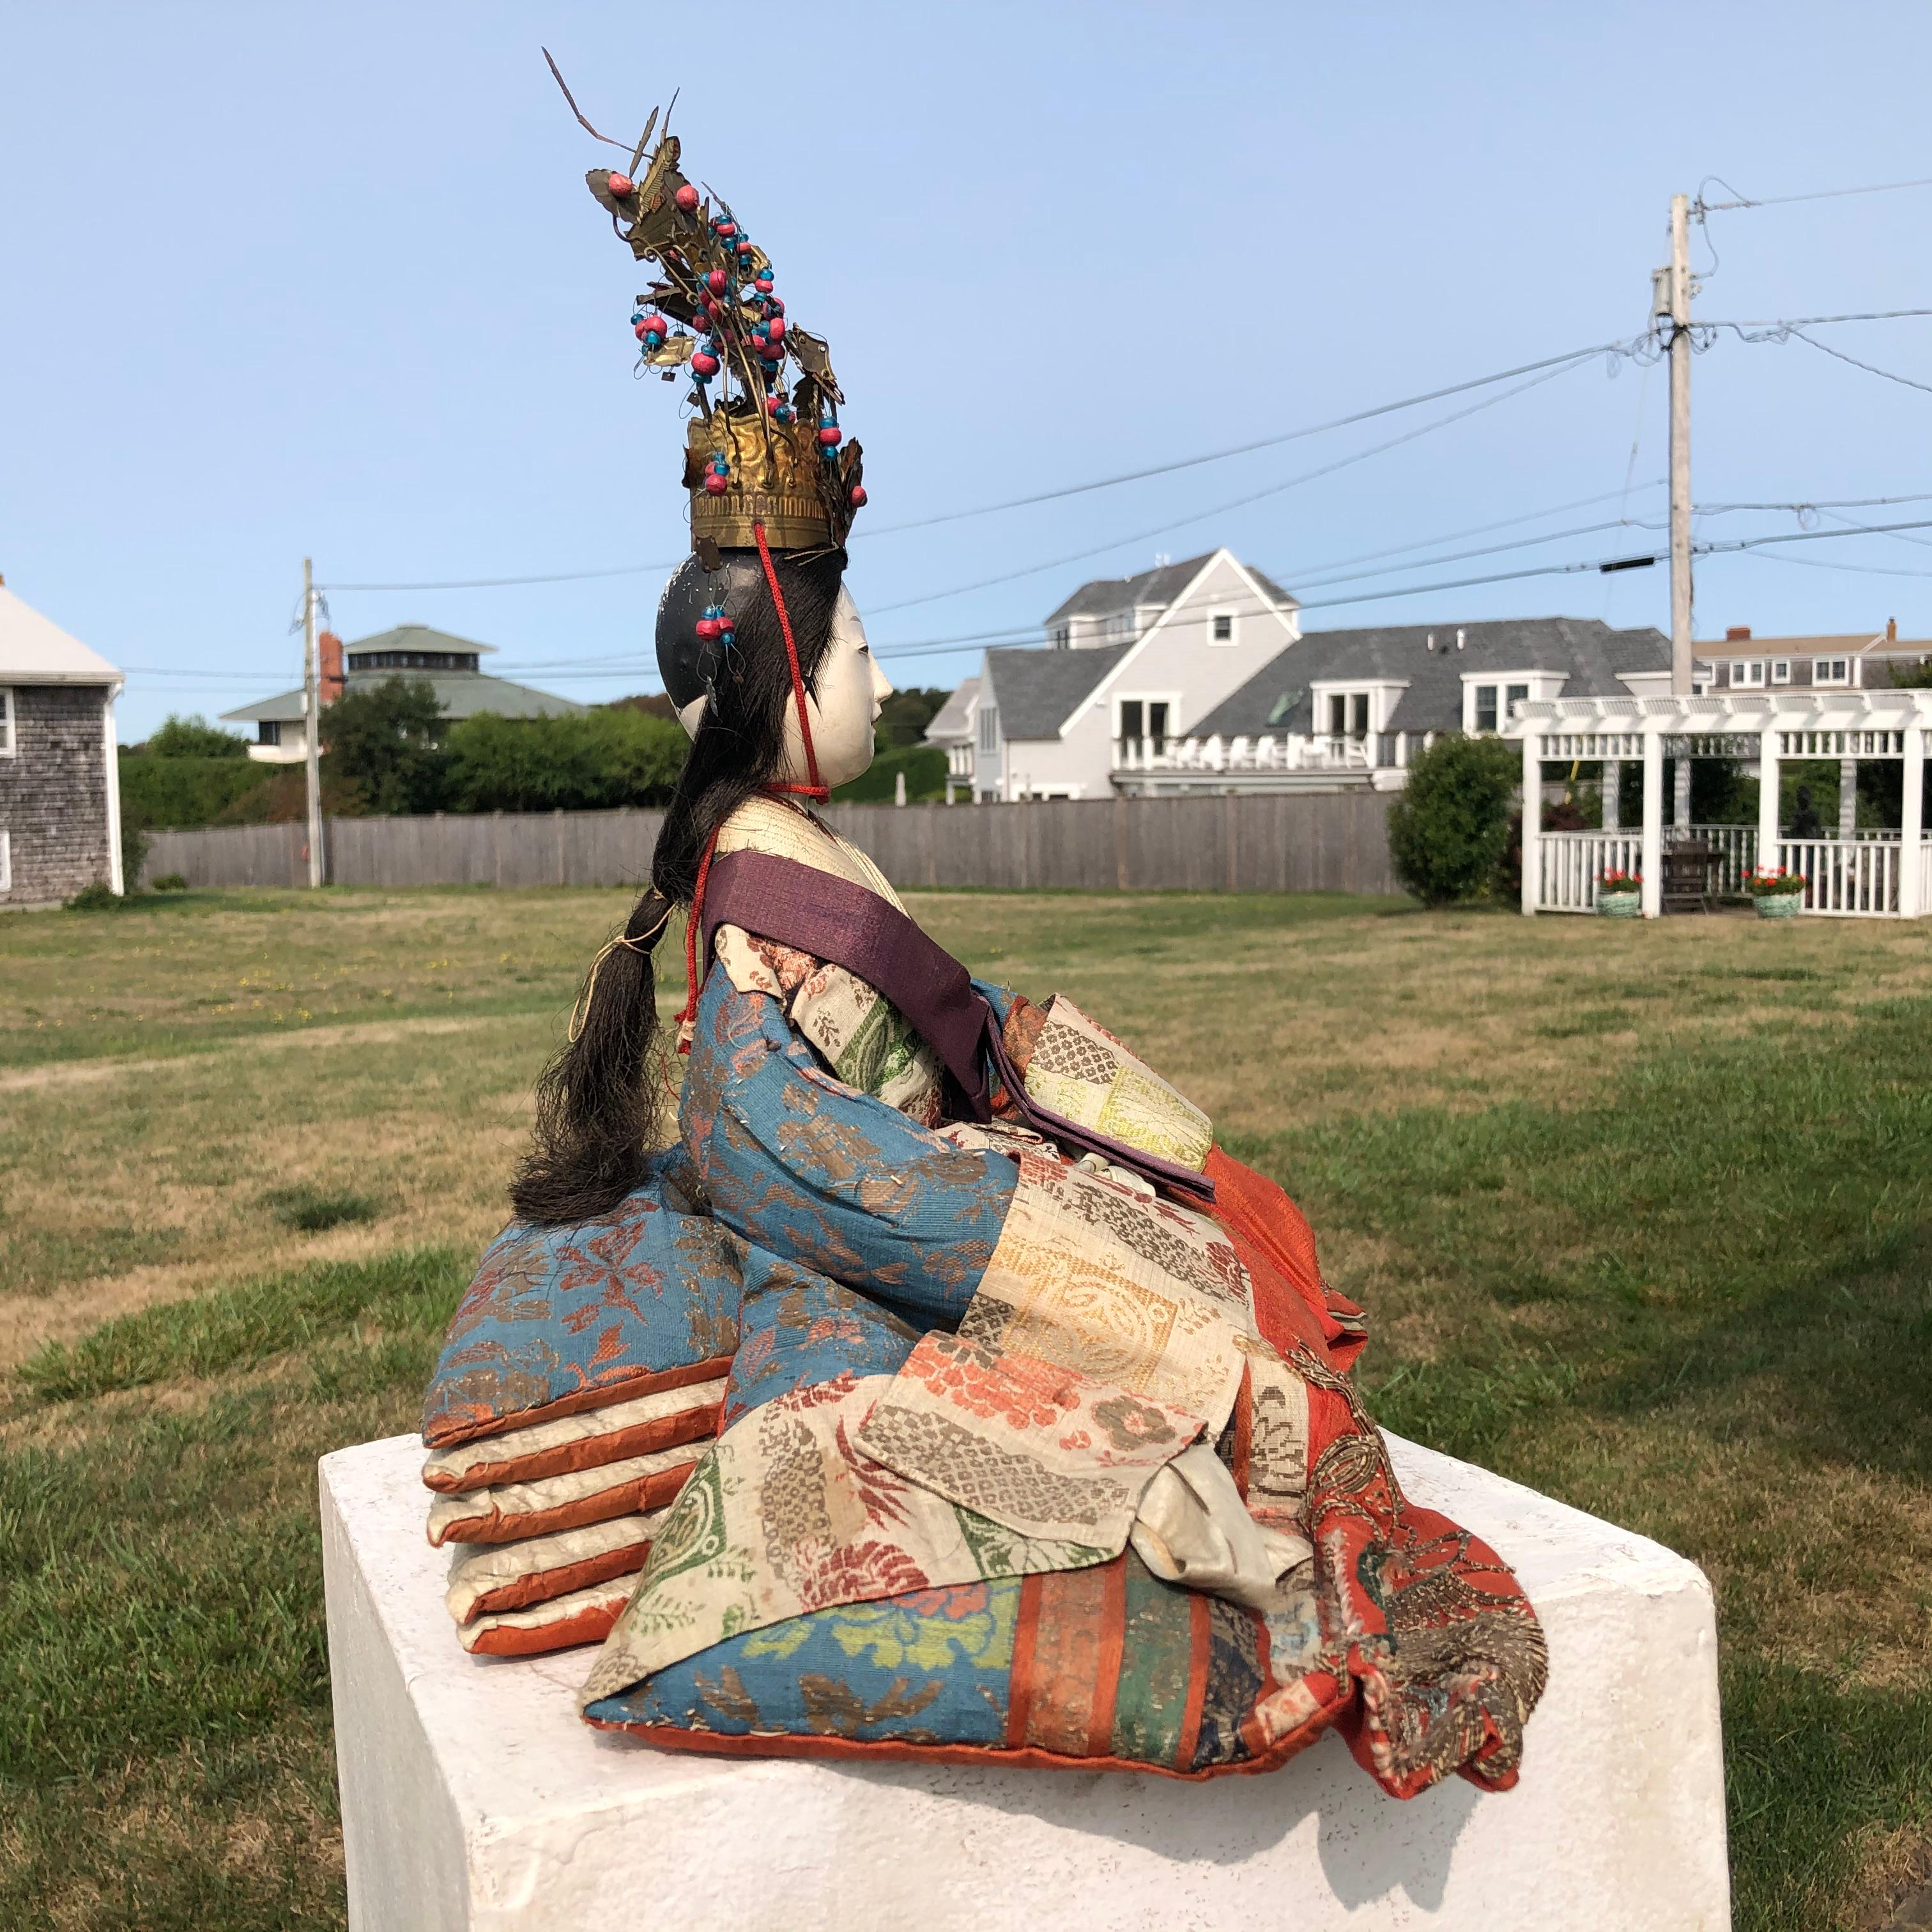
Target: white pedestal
[(472, 1798)]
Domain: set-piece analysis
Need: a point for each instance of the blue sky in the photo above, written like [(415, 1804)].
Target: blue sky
[(327, 281)]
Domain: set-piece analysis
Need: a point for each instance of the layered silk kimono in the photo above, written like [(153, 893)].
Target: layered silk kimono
[(1017, 1451)]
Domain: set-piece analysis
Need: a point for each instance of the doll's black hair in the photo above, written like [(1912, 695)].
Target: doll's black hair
[(595, 1113)]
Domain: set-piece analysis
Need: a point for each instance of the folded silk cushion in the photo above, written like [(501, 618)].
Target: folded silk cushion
[(595, 1437), (584, 1616), (563, 1319), (493, 1578), (512, 1510)]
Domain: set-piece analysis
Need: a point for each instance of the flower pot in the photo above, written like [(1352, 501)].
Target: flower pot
[(1620, 905), (1777, 905)]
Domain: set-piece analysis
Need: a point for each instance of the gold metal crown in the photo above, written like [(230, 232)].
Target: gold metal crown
[(757, 452)]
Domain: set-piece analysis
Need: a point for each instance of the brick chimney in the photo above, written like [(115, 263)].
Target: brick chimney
[(1738, 634), (1891, 630), (328, 648)]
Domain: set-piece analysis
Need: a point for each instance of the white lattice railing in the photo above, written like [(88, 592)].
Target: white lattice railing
[(1735, 846), (1569, 864), (1847, 877)]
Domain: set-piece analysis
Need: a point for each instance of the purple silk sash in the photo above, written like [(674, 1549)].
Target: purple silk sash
[(798, 905)]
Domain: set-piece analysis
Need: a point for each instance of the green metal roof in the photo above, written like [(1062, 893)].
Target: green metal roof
[(460, 693)]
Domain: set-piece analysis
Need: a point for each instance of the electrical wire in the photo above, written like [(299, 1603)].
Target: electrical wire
[(1555, 363), (1302, 576), (1222, 509), (1870, 368), (1248, 448), (1703, 208)]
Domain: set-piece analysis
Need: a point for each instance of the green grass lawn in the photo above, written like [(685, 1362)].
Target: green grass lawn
[(1641, 1215)]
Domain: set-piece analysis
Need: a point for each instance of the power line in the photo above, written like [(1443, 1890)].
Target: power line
[(1485, 550), (1704, 208), (1318, 570), (1551, 362), (1222, 509), (1248, 448), (1723, 548), (504, 582), (1870, 368)]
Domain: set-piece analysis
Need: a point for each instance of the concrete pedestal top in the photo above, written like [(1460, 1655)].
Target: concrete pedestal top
[(473, 1798)]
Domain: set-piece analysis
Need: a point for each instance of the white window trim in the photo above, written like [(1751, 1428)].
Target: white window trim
[(10, 735), (1214, 616), (986, 729), (6, 861), (1781, 671), (1831, 671), (1543, 685)]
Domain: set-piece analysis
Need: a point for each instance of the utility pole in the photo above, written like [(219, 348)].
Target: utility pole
[(312, 723), (1671, 298)]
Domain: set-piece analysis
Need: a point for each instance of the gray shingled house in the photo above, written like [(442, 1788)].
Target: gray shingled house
[(451, 665), (1342, 710), (60, 789)]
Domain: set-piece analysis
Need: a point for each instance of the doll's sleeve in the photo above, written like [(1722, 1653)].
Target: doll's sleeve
[(796, 1161)]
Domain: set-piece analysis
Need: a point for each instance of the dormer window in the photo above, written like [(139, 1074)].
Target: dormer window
[(1747, 674), (1831, 670)]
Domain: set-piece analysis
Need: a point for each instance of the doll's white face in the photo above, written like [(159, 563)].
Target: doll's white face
[(851, 688)]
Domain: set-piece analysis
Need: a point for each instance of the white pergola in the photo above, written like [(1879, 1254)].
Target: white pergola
[(1882, 874)]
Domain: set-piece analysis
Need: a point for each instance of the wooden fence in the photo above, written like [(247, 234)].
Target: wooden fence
[(1274, 842)]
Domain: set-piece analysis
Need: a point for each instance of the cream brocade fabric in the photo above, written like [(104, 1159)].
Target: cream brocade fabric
[(865, 1040)]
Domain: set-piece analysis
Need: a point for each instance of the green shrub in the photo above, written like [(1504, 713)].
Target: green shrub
[(925, 768), (387, 739), (194, 737), (99, 897), (135, 847), (1449, 830), (182, 792), (584, 761), (171, 882)]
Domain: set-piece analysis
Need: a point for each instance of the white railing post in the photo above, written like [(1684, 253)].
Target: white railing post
[(1653, 820), (1532, 821), (1911, 827), (1767, 797)]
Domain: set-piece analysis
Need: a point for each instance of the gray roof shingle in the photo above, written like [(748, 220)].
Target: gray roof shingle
[(1589, 651), (1037, 690), (1160, 586)]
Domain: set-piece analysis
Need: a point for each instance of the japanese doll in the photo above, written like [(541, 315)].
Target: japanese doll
[(885, 1362)]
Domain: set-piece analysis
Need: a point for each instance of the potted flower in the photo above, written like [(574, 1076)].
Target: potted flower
[(1620, 895), (1776, 893)]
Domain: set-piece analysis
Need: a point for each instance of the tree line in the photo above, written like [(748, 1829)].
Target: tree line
[(389, 748)]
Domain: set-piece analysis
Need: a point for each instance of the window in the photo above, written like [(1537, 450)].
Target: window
[(1120, 624), (1516, 695), (1831, 670), (1221, 627), (6, 724), (1348, 714), (6, 862), (989, 728), (267, 731), (1143, 718), (1746, 673), (1059, 637), (1485, 707), (1781, 671)]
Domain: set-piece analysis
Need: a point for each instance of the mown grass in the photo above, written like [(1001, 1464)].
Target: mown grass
[(1641, 1216)]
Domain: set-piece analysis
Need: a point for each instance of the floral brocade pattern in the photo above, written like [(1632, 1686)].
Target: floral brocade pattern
[(558, 1316)]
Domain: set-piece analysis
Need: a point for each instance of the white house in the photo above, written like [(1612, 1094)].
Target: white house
[(1343, 710), (450, 665), (1129, 662), (60, 778)]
